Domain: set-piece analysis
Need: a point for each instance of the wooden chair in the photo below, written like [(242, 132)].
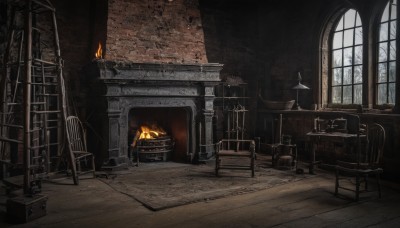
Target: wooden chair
[(244, 150), (367, 163), (76, 136), (283, 153)]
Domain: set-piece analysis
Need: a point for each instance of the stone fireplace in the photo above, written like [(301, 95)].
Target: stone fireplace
[(178, 96)]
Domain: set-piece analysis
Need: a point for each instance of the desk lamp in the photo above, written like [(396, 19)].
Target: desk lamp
[(297, 88)]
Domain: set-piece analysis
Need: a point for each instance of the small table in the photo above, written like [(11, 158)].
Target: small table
[(347, 139)]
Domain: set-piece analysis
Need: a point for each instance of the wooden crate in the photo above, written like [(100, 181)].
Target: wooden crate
[(23, 209)]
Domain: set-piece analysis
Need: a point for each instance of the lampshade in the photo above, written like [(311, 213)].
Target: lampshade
[(300, 86)]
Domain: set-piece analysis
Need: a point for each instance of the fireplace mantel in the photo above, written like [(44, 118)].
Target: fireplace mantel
[(117, 87), (159, 72)]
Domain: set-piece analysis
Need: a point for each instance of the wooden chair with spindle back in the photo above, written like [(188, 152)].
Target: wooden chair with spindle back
[(368, 162), (76, 136)]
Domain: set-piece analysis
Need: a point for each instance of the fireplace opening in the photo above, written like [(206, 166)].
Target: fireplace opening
[(159, 133)]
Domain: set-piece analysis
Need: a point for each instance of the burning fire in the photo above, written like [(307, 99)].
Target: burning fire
[(99, 52), (147, 132)]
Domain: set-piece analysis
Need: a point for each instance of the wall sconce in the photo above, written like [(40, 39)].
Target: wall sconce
[(298, 87)]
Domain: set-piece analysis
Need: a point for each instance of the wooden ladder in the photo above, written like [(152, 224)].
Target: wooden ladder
[(33, 106)]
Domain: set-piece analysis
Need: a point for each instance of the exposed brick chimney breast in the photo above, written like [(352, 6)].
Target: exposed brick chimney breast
[(156, 31)]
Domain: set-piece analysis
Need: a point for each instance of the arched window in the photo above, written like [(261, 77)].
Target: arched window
[(386, 77), (347, 54)]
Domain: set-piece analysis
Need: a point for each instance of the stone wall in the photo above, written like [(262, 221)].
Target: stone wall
[(156, 31)]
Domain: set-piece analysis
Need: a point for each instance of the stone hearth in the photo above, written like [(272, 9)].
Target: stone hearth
[(116, 88)]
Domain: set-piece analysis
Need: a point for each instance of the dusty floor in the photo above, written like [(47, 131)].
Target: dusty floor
[(306, 203)]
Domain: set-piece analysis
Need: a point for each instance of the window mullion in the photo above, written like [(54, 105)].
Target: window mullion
[(388, 52), (342, 76)]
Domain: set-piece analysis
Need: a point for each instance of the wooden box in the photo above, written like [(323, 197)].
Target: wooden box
[(23, 209)]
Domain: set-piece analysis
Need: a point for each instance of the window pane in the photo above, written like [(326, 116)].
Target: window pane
[(383, 52), (347, 95), (337, 76), (358, 20), (358, 74), (339, 25), (383, 32), (393, 30), (337, 40), (358, 52), (337, 58), (357, 94), (348, 37), (392, 71), (358, 38), (385, 15), (382, 72), (392, 50), (394, 10), (347, 75), (336, 94), (381, 93), (349, 18), (347, 59), (392, 91), (348, 56)]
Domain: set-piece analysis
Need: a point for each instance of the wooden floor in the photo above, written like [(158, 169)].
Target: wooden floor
[(306, 203)]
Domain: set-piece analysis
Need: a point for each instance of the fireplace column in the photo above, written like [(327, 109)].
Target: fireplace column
[(115, 156), (207, 120)]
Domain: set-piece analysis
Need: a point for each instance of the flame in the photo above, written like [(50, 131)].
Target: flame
[(151, 133), (99, 52)]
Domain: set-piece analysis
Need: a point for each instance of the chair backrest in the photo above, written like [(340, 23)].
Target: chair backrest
[(376, 143), (75, 134)]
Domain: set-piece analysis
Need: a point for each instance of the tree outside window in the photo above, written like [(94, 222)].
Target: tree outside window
[(347, 55), (386, 68)]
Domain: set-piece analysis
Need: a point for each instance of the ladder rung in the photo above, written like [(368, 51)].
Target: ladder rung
[(8, 113), (52, 127), (55, 120), (36, 157), (35, 130), (37, 147), (44, 84), (45, 62), (10, 140), (49, 94), (46, 76), (45, 112), (12, 125)]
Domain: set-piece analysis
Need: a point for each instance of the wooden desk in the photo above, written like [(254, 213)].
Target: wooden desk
[(349, 140)]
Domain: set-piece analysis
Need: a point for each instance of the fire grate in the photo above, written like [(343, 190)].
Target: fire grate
[(158, 149)]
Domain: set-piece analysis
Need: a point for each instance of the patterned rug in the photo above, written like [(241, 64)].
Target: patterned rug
[(164, 185)]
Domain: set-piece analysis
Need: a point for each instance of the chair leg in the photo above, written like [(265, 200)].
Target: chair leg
[(378, 180), (337, 182), (252, 167), (75, 175), (217, 161), (93, 167), (357, 187), (366, 182)]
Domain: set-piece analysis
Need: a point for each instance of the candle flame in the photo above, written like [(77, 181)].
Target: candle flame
[(99, 52)]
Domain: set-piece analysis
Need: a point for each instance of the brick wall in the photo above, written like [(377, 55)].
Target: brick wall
[(155, 31)]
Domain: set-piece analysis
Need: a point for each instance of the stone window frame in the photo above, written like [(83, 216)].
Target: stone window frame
[(388, 61), (370, 26), (352, 84)]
